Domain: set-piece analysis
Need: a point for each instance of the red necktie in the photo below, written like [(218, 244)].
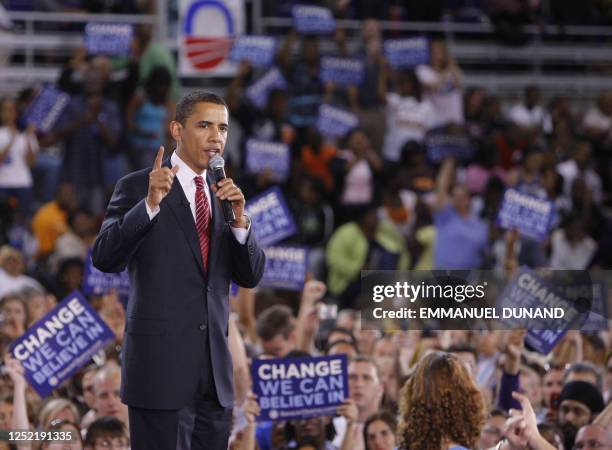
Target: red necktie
[(202, 219)]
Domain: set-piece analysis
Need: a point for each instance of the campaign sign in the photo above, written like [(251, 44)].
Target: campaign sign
[(258, 50), (408, 52), (298, 388), (342, 71), (309, 19), (96, 282), (536, 304), (531, 216), (335, 122), (258, 92), (108, 39), (271, 219), (286, 268), (273, 156), (444, 145), (60, 343), (46, 108)]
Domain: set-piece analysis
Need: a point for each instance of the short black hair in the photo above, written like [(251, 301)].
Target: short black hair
[(384, 416), (184, 107), (105, 427), (274, 320)]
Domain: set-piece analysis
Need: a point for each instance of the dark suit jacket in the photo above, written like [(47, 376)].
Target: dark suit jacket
[(172, 303)]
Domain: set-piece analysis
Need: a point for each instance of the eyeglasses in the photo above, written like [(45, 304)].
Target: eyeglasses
[(589, 444), (117, 443), (492, 430)]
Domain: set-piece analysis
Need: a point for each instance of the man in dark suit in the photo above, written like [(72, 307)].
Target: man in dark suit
[(166, 225)]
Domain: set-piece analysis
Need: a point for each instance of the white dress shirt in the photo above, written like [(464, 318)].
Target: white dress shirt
[(186, 177)]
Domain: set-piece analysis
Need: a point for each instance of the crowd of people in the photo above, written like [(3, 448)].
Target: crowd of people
[(372, 199)]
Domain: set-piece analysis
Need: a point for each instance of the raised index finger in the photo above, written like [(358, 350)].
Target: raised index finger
[(524, 401), (158, 159)]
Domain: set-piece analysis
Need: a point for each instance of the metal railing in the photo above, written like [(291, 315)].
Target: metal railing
[(472, 44)]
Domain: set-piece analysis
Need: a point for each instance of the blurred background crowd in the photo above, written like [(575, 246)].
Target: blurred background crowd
[(373, 191)]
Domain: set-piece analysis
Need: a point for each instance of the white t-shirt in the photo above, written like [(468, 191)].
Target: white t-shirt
[(523, 117), (594, 118), (407, 120), (565, 256), (10, 284), (447, 101), (14, 170), (569, 171), (358, 184)]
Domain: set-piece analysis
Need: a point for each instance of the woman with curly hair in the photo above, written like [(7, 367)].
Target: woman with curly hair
[(441, 407)]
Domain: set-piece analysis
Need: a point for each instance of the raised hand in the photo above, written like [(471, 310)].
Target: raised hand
[(160, 180), (15, 371)]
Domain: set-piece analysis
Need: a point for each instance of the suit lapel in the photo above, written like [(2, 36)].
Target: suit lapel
[(178, 203)]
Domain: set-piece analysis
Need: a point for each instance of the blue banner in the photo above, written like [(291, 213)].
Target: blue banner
[(262, 155), (443, 145), (531, 216), (410, 52), (108, 39), (60, 343), (335, 122), (298, 388), (528, 291), (310, 19), (286, 268), (271, 219), (258, 50), (258, 92), (46, 108), (96, 282), (342, 71)]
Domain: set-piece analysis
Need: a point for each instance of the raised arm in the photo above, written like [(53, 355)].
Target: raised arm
[(444, 182), (127, 219), (307, 315), (20, 410)]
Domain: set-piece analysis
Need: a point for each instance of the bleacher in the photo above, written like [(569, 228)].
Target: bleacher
[(574, 61)]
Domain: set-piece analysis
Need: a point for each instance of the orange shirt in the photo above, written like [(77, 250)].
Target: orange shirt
[(49, 223), (317, 164)]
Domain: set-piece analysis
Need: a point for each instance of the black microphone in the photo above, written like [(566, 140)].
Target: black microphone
[(217, 167)]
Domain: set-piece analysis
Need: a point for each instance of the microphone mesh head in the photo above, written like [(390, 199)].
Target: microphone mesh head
[(216, 162)]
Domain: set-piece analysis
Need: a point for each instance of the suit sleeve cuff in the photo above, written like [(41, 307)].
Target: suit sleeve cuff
[(151, 212), (241, 234)]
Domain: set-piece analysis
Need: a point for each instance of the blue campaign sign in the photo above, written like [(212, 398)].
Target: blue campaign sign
[(96, 282), (444, 145), (271, 219), (274, 156), (531, 216), (298, 388), (310, 19), (258, 50), (335, 122), (258, 92), (46, 108), (108, 39), (528, 292), (286, 268), (408, 52), (342, 71), (60, 343)]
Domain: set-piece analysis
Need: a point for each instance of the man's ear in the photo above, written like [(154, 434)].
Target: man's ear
[(175, 130)]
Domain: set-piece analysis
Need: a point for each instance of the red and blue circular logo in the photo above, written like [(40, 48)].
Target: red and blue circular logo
[(206, 51)]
